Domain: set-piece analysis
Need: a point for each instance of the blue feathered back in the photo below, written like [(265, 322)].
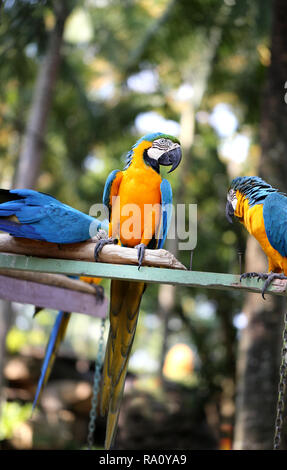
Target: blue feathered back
[(31, 214)]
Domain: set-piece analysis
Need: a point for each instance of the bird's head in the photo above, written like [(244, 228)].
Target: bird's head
[(252, 188), (156, 149)]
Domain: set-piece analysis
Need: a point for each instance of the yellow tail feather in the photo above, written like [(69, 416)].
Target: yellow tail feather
[(124, 309)]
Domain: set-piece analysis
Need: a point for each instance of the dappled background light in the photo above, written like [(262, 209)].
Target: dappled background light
[(191, 69)]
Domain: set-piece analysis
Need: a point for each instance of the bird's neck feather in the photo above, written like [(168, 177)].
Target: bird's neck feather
[(247, 214), (241, 206), (137, 159)]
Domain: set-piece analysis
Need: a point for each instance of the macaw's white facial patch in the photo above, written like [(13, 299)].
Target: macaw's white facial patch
[(231, 197), (155, 152), (234, 203)]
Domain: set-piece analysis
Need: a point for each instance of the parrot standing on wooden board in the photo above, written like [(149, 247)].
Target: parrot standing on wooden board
[(138, 186), (262, 209)]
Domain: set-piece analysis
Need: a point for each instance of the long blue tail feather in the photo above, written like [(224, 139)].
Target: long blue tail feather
[(56, 337)]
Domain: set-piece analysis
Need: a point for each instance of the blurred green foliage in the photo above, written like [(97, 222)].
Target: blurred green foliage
[(13, 414), (93, 124), (17, 339)]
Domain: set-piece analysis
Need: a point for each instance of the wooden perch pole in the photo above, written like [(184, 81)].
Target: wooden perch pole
[(84, 251), (78, 260), (51, 296), (156, 275), (57, 280)]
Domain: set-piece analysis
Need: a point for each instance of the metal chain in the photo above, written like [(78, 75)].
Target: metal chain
[(96, 386), (281, 389)]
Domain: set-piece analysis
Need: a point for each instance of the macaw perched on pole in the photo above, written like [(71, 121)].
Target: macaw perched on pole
[(140, 190), (30, 214), (262, 209)]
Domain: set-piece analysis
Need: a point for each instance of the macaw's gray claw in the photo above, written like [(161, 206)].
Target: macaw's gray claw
[(99, 292), (270, 278), (141, 250), (101, 243), (253, 274), (267, 277)]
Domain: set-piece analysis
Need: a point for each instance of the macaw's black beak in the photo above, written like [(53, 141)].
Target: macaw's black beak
[(229, 212), (172, 157)]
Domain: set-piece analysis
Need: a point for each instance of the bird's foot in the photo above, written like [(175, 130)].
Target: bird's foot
[(141, 251), (253, 274), (102, 242), (100, 291), (101, 234), (267, 277)]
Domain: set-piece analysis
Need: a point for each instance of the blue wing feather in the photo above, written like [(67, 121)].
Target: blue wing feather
[(166, 214), (107, 189), (42, 217), (17, 230), (275, 221)]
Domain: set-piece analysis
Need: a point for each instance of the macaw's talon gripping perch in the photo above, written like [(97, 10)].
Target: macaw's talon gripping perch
[(100, 292), (101, 243), (270, 277), (253, 274), (267, 277), (141, 251)]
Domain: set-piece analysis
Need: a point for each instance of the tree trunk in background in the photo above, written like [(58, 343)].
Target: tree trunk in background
[(260, 344), (31, 151)]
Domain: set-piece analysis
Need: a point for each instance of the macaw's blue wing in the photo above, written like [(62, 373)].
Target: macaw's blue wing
[(166, 212), (110, 189), (56, 337), (275, 221), (31, 214)]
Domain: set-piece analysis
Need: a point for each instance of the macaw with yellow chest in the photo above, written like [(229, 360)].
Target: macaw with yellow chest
[(262, 209), (138, 190)]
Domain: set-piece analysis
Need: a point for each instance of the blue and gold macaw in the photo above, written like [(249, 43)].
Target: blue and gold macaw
[(30, 214), (140, 190), (262, 209)]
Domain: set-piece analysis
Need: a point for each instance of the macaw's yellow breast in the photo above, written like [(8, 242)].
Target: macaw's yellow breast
[(254, 222), (139, 191)]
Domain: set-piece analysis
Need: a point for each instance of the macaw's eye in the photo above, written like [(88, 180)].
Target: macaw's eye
[(162, 141)]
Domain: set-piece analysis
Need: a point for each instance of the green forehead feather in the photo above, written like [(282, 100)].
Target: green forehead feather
[(157, 135)]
